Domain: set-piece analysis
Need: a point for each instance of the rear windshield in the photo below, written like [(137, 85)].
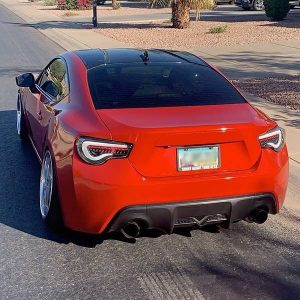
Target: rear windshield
[(138, 85)]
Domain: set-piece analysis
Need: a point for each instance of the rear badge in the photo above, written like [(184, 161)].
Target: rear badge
[(198, 158)]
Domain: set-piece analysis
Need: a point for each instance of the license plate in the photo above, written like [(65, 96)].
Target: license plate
[(198, 158)]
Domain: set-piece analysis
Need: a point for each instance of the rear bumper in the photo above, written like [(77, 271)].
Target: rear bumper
[(166, 217), (92, 196)]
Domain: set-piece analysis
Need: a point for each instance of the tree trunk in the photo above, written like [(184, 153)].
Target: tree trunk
[(114, 3), (181, 13)]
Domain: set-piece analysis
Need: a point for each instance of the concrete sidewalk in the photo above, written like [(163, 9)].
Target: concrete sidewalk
[(255, 60), (239, 62)]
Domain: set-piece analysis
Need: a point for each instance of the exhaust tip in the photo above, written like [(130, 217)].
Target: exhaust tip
[(131, 230), (258, 216)]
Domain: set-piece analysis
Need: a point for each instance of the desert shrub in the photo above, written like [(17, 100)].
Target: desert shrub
[(117, 5), (71, 4), (70, 14), (198, 5), (277, 9), (217, 29), (50, 2)]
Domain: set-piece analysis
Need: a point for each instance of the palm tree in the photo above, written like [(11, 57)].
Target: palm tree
[(181, 9), (181, 13)]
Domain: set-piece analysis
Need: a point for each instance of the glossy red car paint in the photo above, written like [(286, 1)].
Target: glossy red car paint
[(91, 196)]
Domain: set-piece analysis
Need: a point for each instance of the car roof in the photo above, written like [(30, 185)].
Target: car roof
[(96, 57)]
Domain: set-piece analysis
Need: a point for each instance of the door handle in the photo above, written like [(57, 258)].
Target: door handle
[(39, 115)]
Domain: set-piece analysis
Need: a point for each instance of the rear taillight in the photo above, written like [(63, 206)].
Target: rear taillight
[(96, 152), (273, 139)]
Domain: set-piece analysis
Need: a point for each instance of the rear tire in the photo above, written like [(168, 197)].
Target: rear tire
[(49, 198), (21, 124)]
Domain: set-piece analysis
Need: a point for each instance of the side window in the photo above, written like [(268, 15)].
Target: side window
[(54, 80), (42, 79)]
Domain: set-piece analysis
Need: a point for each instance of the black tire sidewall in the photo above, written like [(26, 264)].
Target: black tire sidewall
[(23, 128), (54, 216)]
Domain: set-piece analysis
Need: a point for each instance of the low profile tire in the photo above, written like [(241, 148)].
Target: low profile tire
[(21, 124), (258, 5), (49, 199)]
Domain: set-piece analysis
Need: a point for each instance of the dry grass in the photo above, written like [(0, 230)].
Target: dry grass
[(70, 14), (281, 90)]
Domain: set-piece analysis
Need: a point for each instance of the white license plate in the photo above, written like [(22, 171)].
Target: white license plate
[(198, 158)]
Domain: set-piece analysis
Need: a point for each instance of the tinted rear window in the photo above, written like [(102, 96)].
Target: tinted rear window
[(155, 85)]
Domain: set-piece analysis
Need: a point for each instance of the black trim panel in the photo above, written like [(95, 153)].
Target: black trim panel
[(164, 216), (96, 57)]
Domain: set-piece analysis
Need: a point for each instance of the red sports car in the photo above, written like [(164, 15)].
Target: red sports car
[(131, 139)]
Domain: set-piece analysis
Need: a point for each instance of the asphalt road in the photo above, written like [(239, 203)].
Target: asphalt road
[(246, 262)]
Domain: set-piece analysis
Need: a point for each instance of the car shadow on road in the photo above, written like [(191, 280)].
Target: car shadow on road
[(19, 192), (19, 183), (268, 275)]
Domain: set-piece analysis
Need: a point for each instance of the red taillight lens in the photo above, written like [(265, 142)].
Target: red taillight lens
[(97, 152), (273, 139)]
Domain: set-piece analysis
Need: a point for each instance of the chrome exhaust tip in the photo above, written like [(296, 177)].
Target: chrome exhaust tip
[(258, 216), (131, 230)]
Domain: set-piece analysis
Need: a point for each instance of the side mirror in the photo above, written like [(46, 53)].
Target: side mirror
[(50, 88), (25, 80)]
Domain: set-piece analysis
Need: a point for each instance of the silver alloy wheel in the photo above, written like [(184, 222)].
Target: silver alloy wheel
[(259, 5), (46, 185), (19, 117)]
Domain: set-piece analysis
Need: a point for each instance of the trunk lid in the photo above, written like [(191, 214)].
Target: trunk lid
[(156, 133)]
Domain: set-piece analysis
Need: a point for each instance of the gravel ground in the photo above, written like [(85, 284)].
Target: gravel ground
[(161, 35), (281, 90), (197, 35)]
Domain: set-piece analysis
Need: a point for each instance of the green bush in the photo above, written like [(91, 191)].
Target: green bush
[(217, 29), (277, 9), (71, 4), (50, 2)]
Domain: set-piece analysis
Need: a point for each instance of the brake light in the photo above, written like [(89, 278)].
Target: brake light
[(273, 139), (96, 151)]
